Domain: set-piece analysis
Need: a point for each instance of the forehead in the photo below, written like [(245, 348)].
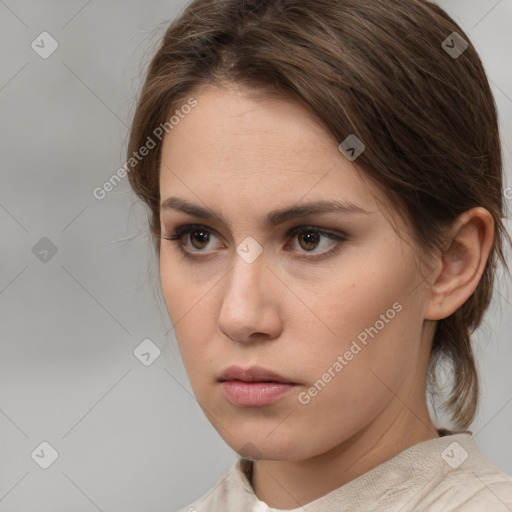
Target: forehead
[(255, 153)]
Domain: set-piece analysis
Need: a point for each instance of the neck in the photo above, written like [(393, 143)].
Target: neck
[(292, 484)]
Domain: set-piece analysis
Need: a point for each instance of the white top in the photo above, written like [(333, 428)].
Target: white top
[(446, 474)]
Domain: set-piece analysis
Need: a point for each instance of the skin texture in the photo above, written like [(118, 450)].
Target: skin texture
[(293, 314)]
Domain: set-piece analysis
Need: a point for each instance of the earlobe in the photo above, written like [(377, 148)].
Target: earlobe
[(461, 263)]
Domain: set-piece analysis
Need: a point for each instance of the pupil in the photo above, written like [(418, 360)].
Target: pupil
[(202, 236), (310, 239)]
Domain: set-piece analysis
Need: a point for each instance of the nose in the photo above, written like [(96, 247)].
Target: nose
[(250, 302)]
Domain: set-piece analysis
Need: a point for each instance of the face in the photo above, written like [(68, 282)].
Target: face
[(331, 301)]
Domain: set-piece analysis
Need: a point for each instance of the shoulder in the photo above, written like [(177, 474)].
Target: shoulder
[(475, 491), (445, 474), (469, 482)]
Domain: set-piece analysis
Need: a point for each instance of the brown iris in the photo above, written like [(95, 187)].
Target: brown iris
[(310, 240), (202, 238)]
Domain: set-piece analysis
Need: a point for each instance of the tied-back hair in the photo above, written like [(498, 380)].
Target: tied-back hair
[(373, 68)]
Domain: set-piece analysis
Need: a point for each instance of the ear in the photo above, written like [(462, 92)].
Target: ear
[(461, 263)]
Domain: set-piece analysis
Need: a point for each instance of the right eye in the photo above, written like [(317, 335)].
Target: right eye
[(199, 238)]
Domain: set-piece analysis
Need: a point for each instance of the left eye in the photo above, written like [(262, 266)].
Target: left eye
[(200, 236), (310, 237)]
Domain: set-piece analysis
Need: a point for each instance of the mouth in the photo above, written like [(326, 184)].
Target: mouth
[(252, 374), (254, 387)]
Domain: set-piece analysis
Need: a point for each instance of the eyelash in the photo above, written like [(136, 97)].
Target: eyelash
[(185, 229)]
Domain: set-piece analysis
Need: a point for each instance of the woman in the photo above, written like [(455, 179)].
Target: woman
[(325, 190)]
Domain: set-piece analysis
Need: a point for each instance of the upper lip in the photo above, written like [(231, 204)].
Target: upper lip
[(252, 374)]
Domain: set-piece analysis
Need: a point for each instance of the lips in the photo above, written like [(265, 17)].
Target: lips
[(254, 386), (252, 374)]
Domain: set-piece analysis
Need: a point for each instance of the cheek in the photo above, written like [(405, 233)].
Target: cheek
[(346, 304), (180, 288), (186, 304), (349, 393), (194, 338), (367, 315)]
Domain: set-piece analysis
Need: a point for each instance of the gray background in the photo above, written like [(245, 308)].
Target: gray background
[(129, 437)]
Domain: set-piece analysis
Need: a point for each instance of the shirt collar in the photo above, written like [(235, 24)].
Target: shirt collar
[(406, 473)]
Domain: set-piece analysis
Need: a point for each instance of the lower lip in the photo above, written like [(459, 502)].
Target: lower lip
[(255, 394)]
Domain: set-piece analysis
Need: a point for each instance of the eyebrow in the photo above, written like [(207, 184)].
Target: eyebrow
[(275, 217)]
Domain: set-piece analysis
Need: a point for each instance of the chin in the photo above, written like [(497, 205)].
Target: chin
[(265, 448)]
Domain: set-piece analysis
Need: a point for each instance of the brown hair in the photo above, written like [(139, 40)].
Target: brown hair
[(374, 68)]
